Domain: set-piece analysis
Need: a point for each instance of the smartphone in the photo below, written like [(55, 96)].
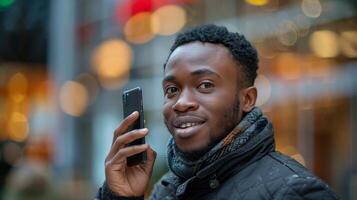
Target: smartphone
[(133, 101)]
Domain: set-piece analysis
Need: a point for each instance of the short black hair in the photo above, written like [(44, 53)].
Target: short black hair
[(242, 50)]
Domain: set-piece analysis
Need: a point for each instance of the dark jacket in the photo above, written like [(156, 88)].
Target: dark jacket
[(255, 171)]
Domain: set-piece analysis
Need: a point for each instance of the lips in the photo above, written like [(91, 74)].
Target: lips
[(186, 126), (187, 121)]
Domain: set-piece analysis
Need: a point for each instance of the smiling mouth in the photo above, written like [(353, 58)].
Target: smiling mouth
[(187, 130), (188, 125)]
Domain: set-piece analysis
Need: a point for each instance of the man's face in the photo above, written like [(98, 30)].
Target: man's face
[(201, 95)]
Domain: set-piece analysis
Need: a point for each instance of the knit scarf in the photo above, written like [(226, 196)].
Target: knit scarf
[(249, 126)]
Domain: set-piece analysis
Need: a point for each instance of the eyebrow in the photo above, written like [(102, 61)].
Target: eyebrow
[(199, 72), (169, 78)]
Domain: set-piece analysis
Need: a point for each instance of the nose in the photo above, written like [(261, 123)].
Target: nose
[(185, 102)]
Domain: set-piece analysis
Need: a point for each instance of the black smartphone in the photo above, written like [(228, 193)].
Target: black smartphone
[(133, 101)]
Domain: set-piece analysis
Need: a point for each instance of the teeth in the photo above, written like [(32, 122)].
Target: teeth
[(185, 125)]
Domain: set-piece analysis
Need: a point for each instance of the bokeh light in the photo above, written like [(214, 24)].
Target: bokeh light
[(17, 87), (168, 20), (264, 89), (324, 43), (138, 29), (348, 43), (112, 58), (112, 61), (73, 98), (287, 33), (18, 127), (257, 2), (311, 8)]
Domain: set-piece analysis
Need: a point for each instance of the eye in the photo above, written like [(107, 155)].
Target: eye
[(171, 90), (206, 85)]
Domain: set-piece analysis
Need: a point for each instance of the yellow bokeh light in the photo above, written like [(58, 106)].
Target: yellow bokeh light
[(311, 8), (257, 2), (348, 42), (138, 29), (324, 44), (168, 20), (17, 87), (73, 98), (264, 89), (112, 59), (18, 127)]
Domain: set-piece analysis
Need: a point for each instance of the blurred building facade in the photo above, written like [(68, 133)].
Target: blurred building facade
[(64, 65)]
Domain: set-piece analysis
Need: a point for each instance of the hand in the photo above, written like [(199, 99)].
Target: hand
[(120, 178)]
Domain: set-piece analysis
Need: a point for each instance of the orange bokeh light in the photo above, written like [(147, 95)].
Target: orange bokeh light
[(138, 29)]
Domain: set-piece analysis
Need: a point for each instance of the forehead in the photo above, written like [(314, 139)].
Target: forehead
[(197, 54)]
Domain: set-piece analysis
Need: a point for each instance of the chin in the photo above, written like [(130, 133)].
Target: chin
[(187, 149), (193, 152), (191, 144)]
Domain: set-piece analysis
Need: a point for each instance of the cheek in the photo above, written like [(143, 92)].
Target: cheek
[(219, 108), (166, 110), (219, 103)]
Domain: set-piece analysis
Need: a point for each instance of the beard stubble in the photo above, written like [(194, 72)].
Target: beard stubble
[(229, 120)]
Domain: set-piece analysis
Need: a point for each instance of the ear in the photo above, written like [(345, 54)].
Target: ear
[(248, 98)]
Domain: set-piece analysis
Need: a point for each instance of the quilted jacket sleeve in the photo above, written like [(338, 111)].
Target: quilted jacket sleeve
[(105, 193), (312, 188)]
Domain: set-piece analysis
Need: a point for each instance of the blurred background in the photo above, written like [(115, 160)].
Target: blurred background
[(64, 65)]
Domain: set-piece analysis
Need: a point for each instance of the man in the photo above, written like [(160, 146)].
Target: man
[(222, 147)]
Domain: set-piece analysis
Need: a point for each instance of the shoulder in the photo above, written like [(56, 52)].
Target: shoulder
[(306, 187), (279, 177), (294, 180)]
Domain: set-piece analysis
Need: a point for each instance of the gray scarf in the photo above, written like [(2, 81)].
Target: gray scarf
[(239, 136)]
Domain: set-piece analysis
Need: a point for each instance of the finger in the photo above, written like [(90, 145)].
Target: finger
[(125, 124), (151, 157), (122, 140), (123, 153)]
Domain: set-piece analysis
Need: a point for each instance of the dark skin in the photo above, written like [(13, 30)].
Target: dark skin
[(202, 86)]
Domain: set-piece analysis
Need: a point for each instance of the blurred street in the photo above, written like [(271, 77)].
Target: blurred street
[(64, 65)]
